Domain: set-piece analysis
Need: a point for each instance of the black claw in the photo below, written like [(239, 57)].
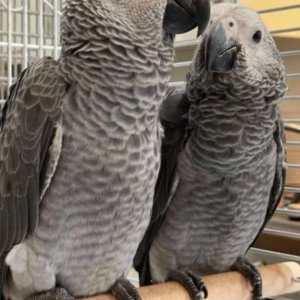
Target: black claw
[(123, 289), (198, 283), (54, 294), (248, 270), (191, 282)]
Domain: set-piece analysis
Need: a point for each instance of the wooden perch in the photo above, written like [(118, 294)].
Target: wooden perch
[(277, 280)]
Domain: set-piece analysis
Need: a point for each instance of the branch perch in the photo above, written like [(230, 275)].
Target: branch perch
[(278, 279)]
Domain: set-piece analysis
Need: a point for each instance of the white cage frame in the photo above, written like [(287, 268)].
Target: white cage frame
[(29, 29)]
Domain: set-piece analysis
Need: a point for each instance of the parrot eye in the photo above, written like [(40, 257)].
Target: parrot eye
[(257, 36)]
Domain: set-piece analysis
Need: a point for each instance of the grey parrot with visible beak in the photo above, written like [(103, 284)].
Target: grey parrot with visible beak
[(79, 148), (222, 172)]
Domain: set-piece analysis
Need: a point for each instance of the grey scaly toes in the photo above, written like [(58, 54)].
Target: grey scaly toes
[(54, 294), (123, 289), (248, 270), (191, 282)]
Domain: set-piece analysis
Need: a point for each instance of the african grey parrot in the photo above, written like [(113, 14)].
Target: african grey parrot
[(79, 148), (222, 171)]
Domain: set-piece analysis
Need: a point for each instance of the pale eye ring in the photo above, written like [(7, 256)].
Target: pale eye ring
[(257, 36)]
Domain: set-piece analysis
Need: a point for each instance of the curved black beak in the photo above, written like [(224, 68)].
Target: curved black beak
[(221, 50), (184, 15)]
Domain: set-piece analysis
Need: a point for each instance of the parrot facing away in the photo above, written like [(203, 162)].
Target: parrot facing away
[(222, 171), (79, 148)]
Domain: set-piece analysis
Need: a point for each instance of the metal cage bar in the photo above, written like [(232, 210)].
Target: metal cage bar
[(28, 30)]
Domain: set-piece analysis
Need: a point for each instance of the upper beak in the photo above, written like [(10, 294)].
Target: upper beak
[(184, 15), (221, 50)]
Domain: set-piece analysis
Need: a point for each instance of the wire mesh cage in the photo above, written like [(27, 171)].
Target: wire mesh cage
[(29, 29)]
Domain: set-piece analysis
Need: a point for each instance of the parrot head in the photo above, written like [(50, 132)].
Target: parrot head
[(236, 45)]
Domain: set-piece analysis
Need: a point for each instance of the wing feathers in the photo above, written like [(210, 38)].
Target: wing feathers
[(4, 228), (12, 214), (280, 174), (25, 137)]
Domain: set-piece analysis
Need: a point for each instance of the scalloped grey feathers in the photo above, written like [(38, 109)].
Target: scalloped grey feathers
[(79, 147), (32, 109), (29, 118), (226, 152)]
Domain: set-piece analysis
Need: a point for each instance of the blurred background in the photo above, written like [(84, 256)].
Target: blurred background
[(29, 29)]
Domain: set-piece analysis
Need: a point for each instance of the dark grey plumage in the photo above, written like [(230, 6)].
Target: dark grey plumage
[(223, 171), (81, 134)]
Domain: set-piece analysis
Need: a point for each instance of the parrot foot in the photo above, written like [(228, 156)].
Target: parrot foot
[(54, 294), (248, 270), (123, 289), (191, 282)]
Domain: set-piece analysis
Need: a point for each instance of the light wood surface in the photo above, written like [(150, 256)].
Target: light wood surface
[(295, 206)]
